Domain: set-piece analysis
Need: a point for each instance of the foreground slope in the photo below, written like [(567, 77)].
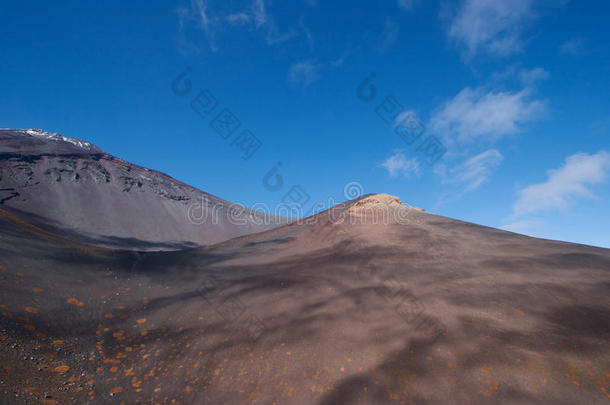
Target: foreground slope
[(371, 302), (73, 187)]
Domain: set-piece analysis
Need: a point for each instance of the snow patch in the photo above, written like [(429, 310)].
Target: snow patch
[(56, 137)]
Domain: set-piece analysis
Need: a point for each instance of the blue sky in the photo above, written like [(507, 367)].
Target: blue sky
[(517, 92)]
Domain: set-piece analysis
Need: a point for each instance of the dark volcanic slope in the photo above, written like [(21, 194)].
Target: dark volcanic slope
[(75, 188), (422, 309)]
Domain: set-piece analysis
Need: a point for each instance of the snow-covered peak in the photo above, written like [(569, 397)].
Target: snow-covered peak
[(57, 137)]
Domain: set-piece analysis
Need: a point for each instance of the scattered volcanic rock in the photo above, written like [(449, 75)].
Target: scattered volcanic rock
[(340, 308), (76, 189)]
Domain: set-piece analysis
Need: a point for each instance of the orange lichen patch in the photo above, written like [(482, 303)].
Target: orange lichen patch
[(141, 320), (489, 389), (114, 369), (188, 388), (116, 390), (30, 327), (61, 369), (128, 372), (37, 290), (20, 275), (391, 394), (572, 376), (30, 389), (7, 314), (76, 302), (157, 389), (108, 316), (48, 402), (113, 361), (57, 342), (606, 393), (32, 310)]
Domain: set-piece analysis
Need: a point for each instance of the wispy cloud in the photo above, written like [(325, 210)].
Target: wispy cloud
[(398, 165), (259, 13), (307, 33), (514, 73), (475, 115), (239, 18), (199, 13), (564, 185), (213, 21), (527, 227), (304, 73), (529, 77), (477, 170), (572, 47), (490, 26), (406, 4), (340, 60), (390, 34)]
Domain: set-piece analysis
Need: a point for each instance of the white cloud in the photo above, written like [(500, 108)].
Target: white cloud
[(239, 18), (406, 4), (307, 33), (398, 164), (200, 14), (264, 21), (211, 22), (565, 184), (390, 34), (304, 73), (529, 77), (571, 47), (475, 171), (474, 114), (259, 12), (492, 26), (527, 227), (340, 60)]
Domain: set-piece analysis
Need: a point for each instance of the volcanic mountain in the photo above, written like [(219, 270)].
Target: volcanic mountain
[(370, 302), (74, 188)]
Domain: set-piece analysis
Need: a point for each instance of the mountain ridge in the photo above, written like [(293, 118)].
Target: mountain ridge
[(65, 183)]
